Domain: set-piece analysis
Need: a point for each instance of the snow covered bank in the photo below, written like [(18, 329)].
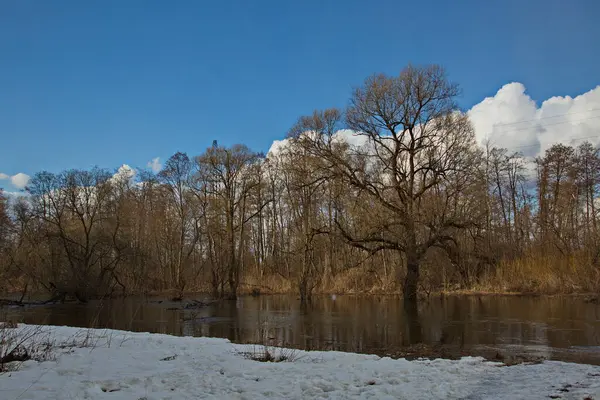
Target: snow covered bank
[(107, 364)]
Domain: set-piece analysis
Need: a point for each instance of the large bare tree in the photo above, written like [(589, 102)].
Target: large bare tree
[(417, 164)]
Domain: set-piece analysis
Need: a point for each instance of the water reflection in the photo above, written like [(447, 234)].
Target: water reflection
[(349, 323)]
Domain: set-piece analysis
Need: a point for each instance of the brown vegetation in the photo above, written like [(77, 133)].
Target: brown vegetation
[(409, 204)]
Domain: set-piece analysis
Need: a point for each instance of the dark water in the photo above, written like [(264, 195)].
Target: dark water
[(563, 328)]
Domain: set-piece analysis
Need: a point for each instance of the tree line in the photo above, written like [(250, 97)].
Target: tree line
[(391, 194)]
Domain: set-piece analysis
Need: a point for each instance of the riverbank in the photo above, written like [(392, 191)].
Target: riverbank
[(102, 364), (349, 283)]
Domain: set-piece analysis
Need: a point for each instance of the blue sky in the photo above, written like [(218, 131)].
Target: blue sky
[(86, 83)]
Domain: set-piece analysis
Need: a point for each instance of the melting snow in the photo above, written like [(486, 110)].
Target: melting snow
[(126, 365)]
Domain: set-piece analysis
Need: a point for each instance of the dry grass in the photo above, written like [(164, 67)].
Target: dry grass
[(361, 280), (22, 344), (37, 343), (266, 353), (268, 349), (267, 284), (543, 274), (546, 273)]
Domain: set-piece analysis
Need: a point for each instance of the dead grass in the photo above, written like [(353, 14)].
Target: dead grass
[(266, 353), (38, 343), (360, 280), (543, 274), (267, 284), (267, 347), (357, 280), (22, 344)]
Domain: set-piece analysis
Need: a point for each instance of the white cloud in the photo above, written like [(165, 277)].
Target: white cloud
[(350, 137), (124, 174), (513, 120), (342, 135), (19, 180), (155, 165), (277, 147)]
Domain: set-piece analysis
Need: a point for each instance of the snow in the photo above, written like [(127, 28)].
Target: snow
[(109, 364)]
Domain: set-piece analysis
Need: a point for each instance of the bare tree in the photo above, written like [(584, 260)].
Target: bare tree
[(177, 176), (5, 222), (230, 175), (305, 183), (588, 181), (558, 197), (74, 207), (5, 233), (417, 162)]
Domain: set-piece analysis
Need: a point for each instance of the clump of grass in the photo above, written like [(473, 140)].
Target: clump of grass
[(265, 353), (8, 325), (267, 284), (268, 348), (360, 279), (24, 343)]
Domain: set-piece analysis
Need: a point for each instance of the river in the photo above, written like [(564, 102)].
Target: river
[(562, 328)]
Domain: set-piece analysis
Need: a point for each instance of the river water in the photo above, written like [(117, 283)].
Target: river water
[(563, 328)]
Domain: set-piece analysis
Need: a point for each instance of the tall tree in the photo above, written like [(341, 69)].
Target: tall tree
[(74, 206), (305, 188), (5, 231), (558, 197), (177, 176), (418, 161), (5, 222), (230, 175)]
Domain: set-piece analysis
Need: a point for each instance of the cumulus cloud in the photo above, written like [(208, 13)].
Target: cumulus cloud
[(277, 147), (155, 165), (511, 119), (124, 174), (343, 135), (19, 180), (350, 137)]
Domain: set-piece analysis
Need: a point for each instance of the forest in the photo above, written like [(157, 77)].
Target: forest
[(390, 195)]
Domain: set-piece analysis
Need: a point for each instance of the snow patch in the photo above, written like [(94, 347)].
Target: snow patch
[(154, 366)]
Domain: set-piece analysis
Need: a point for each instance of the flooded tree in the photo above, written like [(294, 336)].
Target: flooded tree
[(416, 164)]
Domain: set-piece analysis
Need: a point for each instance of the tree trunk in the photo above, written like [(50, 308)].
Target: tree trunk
[(412, 321), (411, 281)]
